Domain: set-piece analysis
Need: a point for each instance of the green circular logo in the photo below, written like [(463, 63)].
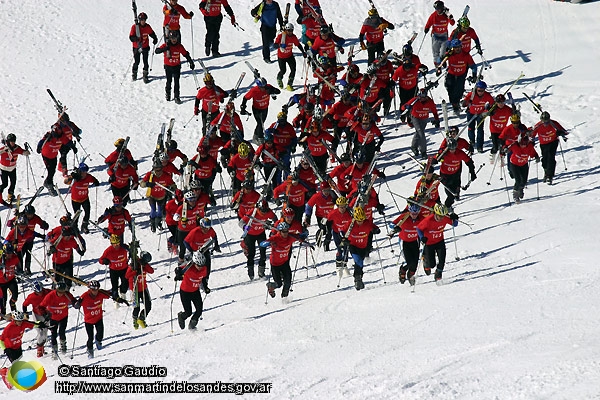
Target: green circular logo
[(26, 375)]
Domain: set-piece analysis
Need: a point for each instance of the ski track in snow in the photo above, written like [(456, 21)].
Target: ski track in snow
[(516, 317)]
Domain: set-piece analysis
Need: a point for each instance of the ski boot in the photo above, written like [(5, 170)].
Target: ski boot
[(402, 275), (145, 76), (427, 270), (358, 282), (178, 100), (142, 323), (271, 288), (98, 344), (438, 276), (192, 325), (339, 267), (280, 83), (326, 245), (261, 271), (85, 228), (412, 278), (152, 225), (40, 350), (207, 51), (134, 74), (285, 293), (289, 88), (516, 197), (168, 95), (181, 319), (135, 323), (63, 346), (55, 352), (10, 198), (90, 352)]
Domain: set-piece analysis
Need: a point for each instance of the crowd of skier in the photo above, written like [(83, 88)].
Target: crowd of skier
[(305, 178)]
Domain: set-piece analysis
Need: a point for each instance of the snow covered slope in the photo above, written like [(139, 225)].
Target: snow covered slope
[(517, 316)]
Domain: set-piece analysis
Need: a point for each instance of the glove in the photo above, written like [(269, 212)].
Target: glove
[(383, 26), (264, 243), (243, 109), (196, 110), (283, 45), (436, 123), (121, 301), (472, 78), (112, 178), (42, 325), (246, 228), (453, 216), (192, 65), (278, 202), (105, 261), (340, 49), (75, 149), (473, 176), (178, 274), (479, 51), (380, 207), (382, 175), (423, 240), (191, 13), (232, 19), (426, 30), (155, 40), (80, 252), (376, 231), (206, 289), (363, 46), (52, 249), (77, 303), (344, 242), (537, 159), (217, 248), (218, 169), (150, 184)]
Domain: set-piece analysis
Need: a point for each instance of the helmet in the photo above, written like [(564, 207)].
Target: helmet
[(174, 35), (453, 132), (248, 184), (122, 160), (156, 164), (341, 201), (372, 12), (117, 200), (83, 167), (407, 50), (163, 157), (440, 209), (323, 60), (360, 157), (269, 134), (353, 69), (230, 107), (145, 257), (8, 248), (11, 137), (208, 78), (37, 286), (288, 212), (289, 27), (455, 43), (423, 93), (439, 5), (481, 85), (281, 116), (94, 285), (325, 29), (198, 258), (243, 150), (204, 223), (515, 119), (500, 98), (143, 16), (464, 22), (17, 315), (283, 226), (115, 239), (452, 144), (359, 214), (295, 176), (345, 157), (64, 116), (189, 196), (61, 286), (413, 208), (545, 116), (309, 107), (260, 82), (195, 184), (366, 119), (64, 220), (22, 220), (318, 113), (371, 69), (67, 231), (119, 142), (29, 209)]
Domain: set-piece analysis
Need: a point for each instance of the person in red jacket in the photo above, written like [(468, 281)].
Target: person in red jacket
[(281, 249), (260, 96), (285, 42), (407, 77), (427, 190), (521, 152), (57, 303), (245, 199), (11, 338), (239, 167), (91, 302), (186, 217), (548, 131), (340, 219), (173, 50), (324, 202), (198, 237), (141, 45), (136, 275), (357, 240), (61, 248), (253, 225), (477, 103), (499, 117), (9, 153), (22, 235), (315, 143), (123, 178), (8, 266), (465, 34), (431, 234), (115, 256), (294, 194), (226, 122), (211, 95), (406, 226), (450, 171), (438, 23), (191, 277), (80, 181), (112, 158), (34, 300), (510, 135), (373, 30), (49, 147), (211, 9), (327, 44), (420, 107), (118, 216), (458, 64), (366, 132), (157, 183), (173, 13)]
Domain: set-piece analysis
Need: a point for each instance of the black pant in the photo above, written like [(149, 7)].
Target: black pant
[(14, 292), (115, 277), (260, 116), (282, 275), (268, 36), (25, 257), (6, 176), (65, 268), (180, 238), (326, 229), (406, 95), (86, 210), (64, 151), (58, 330), (283, 62), (455, 85), (452, 187), (478, 141), (189, 298), (136, 59), (213, 26), (89, 328), (430, 253), (50, 164), (374, 50), (496, 142), (549, 158), (13, 354), (411, 254), (520, 173), (252, 241), (142, 297), (172, 74), (122, 193)]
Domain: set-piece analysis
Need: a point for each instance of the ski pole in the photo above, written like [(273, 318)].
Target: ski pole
[(421, 45), (75, 336), (380, 263), (152, 57), (127, 71), (537, 179), (313, 260), (562, 154), (173, 298), (188, 122), (400, 253), (295, 268), (493, 169), (192, 35), (455, 246), (471, 180), (503, 173)]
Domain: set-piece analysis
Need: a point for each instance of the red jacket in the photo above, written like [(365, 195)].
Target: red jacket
[(9, 156), (295, 193), (476, 103), (80, 188), (407, 78), (192, 278), (439, 23), (341, 221), (521, 154), (499, 119), (290, 41), (146, 31), (171, 56), (240, 166), (260, 97), (280, 249), (92, 306), (421, 109), (546, 132), (256, 228), (314, 144), (57, 305), (196, 238), (451, 162), (324, 204), (459, 63), (213, 96), (116, 220), (12, 334), (165, 179), (359, 235), (408, 228), (34, 299), (123, 175), (465, 37), (247, 201), (10, 263), (116, 257), (138, 279), (172, 17), (212, 8), (433, 229)]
